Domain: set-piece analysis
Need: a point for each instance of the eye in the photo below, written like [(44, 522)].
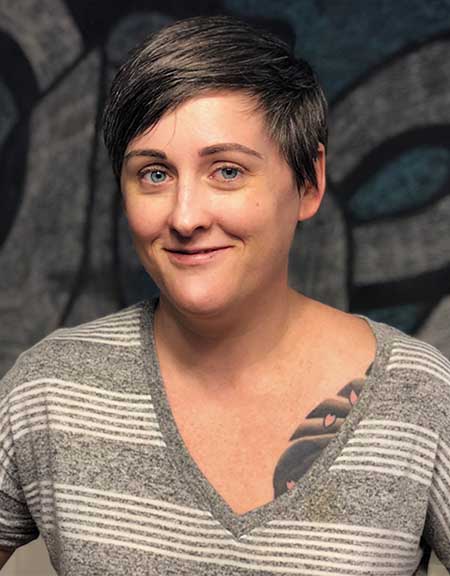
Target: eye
[(153, 175), (229, 173)]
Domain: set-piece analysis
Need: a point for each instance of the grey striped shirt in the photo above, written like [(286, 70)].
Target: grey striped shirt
[(92, 460)]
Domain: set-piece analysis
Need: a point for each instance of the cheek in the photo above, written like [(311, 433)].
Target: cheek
[(142, 222)]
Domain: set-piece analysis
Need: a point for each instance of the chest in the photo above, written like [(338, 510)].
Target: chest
[(254, 450)]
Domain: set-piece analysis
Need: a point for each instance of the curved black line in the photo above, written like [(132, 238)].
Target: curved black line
[(83, 268), (424, 287), (18, 76), (366, 75), (388, 151)]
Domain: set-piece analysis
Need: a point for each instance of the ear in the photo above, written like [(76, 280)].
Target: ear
[(310, 195)]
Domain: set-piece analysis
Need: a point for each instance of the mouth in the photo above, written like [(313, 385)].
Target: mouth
[(199, 256), (198, 251)]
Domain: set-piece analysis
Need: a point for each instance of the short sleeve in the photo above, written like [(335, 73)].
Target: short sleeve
[(17, 526), (437, 524)]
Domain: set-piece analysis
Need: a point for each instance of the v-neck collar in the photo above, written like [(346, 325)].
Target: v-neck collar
[(315, 478)]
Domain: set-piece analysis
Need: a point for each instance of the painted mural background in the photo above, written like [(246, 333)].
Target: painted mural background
[(380, 243)]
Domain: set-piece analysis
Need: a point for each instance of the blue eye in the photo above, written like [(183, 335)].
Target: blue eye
[(229, 173), (156, 176)]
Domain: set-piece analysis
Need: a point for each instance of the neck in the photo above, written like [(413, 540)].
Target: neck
[(226, 352)]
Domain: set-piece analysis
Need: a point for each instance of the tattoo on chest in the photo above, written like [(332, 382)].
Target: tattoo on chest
[(310, 438)]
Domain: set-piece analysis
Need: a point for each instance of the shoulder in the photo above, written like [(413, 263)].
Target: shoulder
[(412, 357), (121, 328), (85, 349), (415, 371)]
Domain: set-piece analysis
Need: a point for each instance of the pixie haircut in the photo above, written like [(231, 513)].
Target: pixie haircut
[(204, 54)]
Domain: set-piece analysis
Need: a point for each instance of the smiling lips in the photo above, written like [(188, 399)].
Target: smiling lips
[(190, 257), (196, 250)]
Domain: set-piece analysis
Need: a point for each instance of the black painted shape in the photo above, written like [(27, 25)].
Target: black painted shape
[(426, 287), (13, 159), (17, 73), (296, 460), (386, 153), (369, 73), (18, 76), (95, 19)]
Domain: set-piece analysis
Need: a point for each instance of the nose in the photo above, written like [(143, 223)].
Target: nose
[(190, 210)]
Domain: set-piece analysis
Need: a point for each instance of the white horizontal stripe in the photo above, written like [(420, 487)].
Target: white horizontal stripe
[(92, 402), (370, 441), (444, 448), (350, 529), (230, 547), (50, 394), (100, 508), (403, 454), (396, 434), (179, 515), (88, 420), (388, 424), (443, 505), (42, 412), (385, 461), (128, 326), (120, 496), (278, 544), (101, 332), (405, 340), (191, 552), (128, 313), (417, 346), (79, 387), (404, 366), (125, 343), (421, 365), (443, 465), (142, 516), (110, 320), (441, 494), (314, 537), (126, 439), (433, 358), (381, 470)]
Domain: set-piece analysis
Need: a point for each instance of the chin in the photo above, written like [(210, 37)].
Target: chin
[(200, 303)]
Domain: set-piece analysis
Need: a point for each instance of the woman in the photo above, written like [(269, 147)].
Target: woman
[(232, 425)]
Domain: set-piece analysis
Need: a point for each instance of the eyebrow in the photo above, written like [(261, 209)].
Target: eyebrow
[(152, 153), (229, 147), (207, 151)]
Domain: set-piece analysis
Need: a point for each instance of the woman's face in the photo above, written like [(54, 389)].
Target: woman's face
[(211, 204)]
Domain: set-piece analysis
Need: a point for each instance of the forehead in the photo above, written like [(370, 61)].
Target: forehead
[(211, 117)]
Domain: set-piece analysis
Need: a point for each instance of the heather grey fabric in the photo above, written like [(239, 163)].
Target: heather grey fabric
[(92, 460)]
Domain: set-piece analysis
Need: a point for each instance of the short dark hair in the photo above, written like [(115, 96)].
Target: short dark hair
[(219, 52)]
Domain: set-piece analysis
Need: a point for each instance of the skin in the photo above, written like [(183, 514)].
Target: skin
[(210, 317), (228, 328)]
